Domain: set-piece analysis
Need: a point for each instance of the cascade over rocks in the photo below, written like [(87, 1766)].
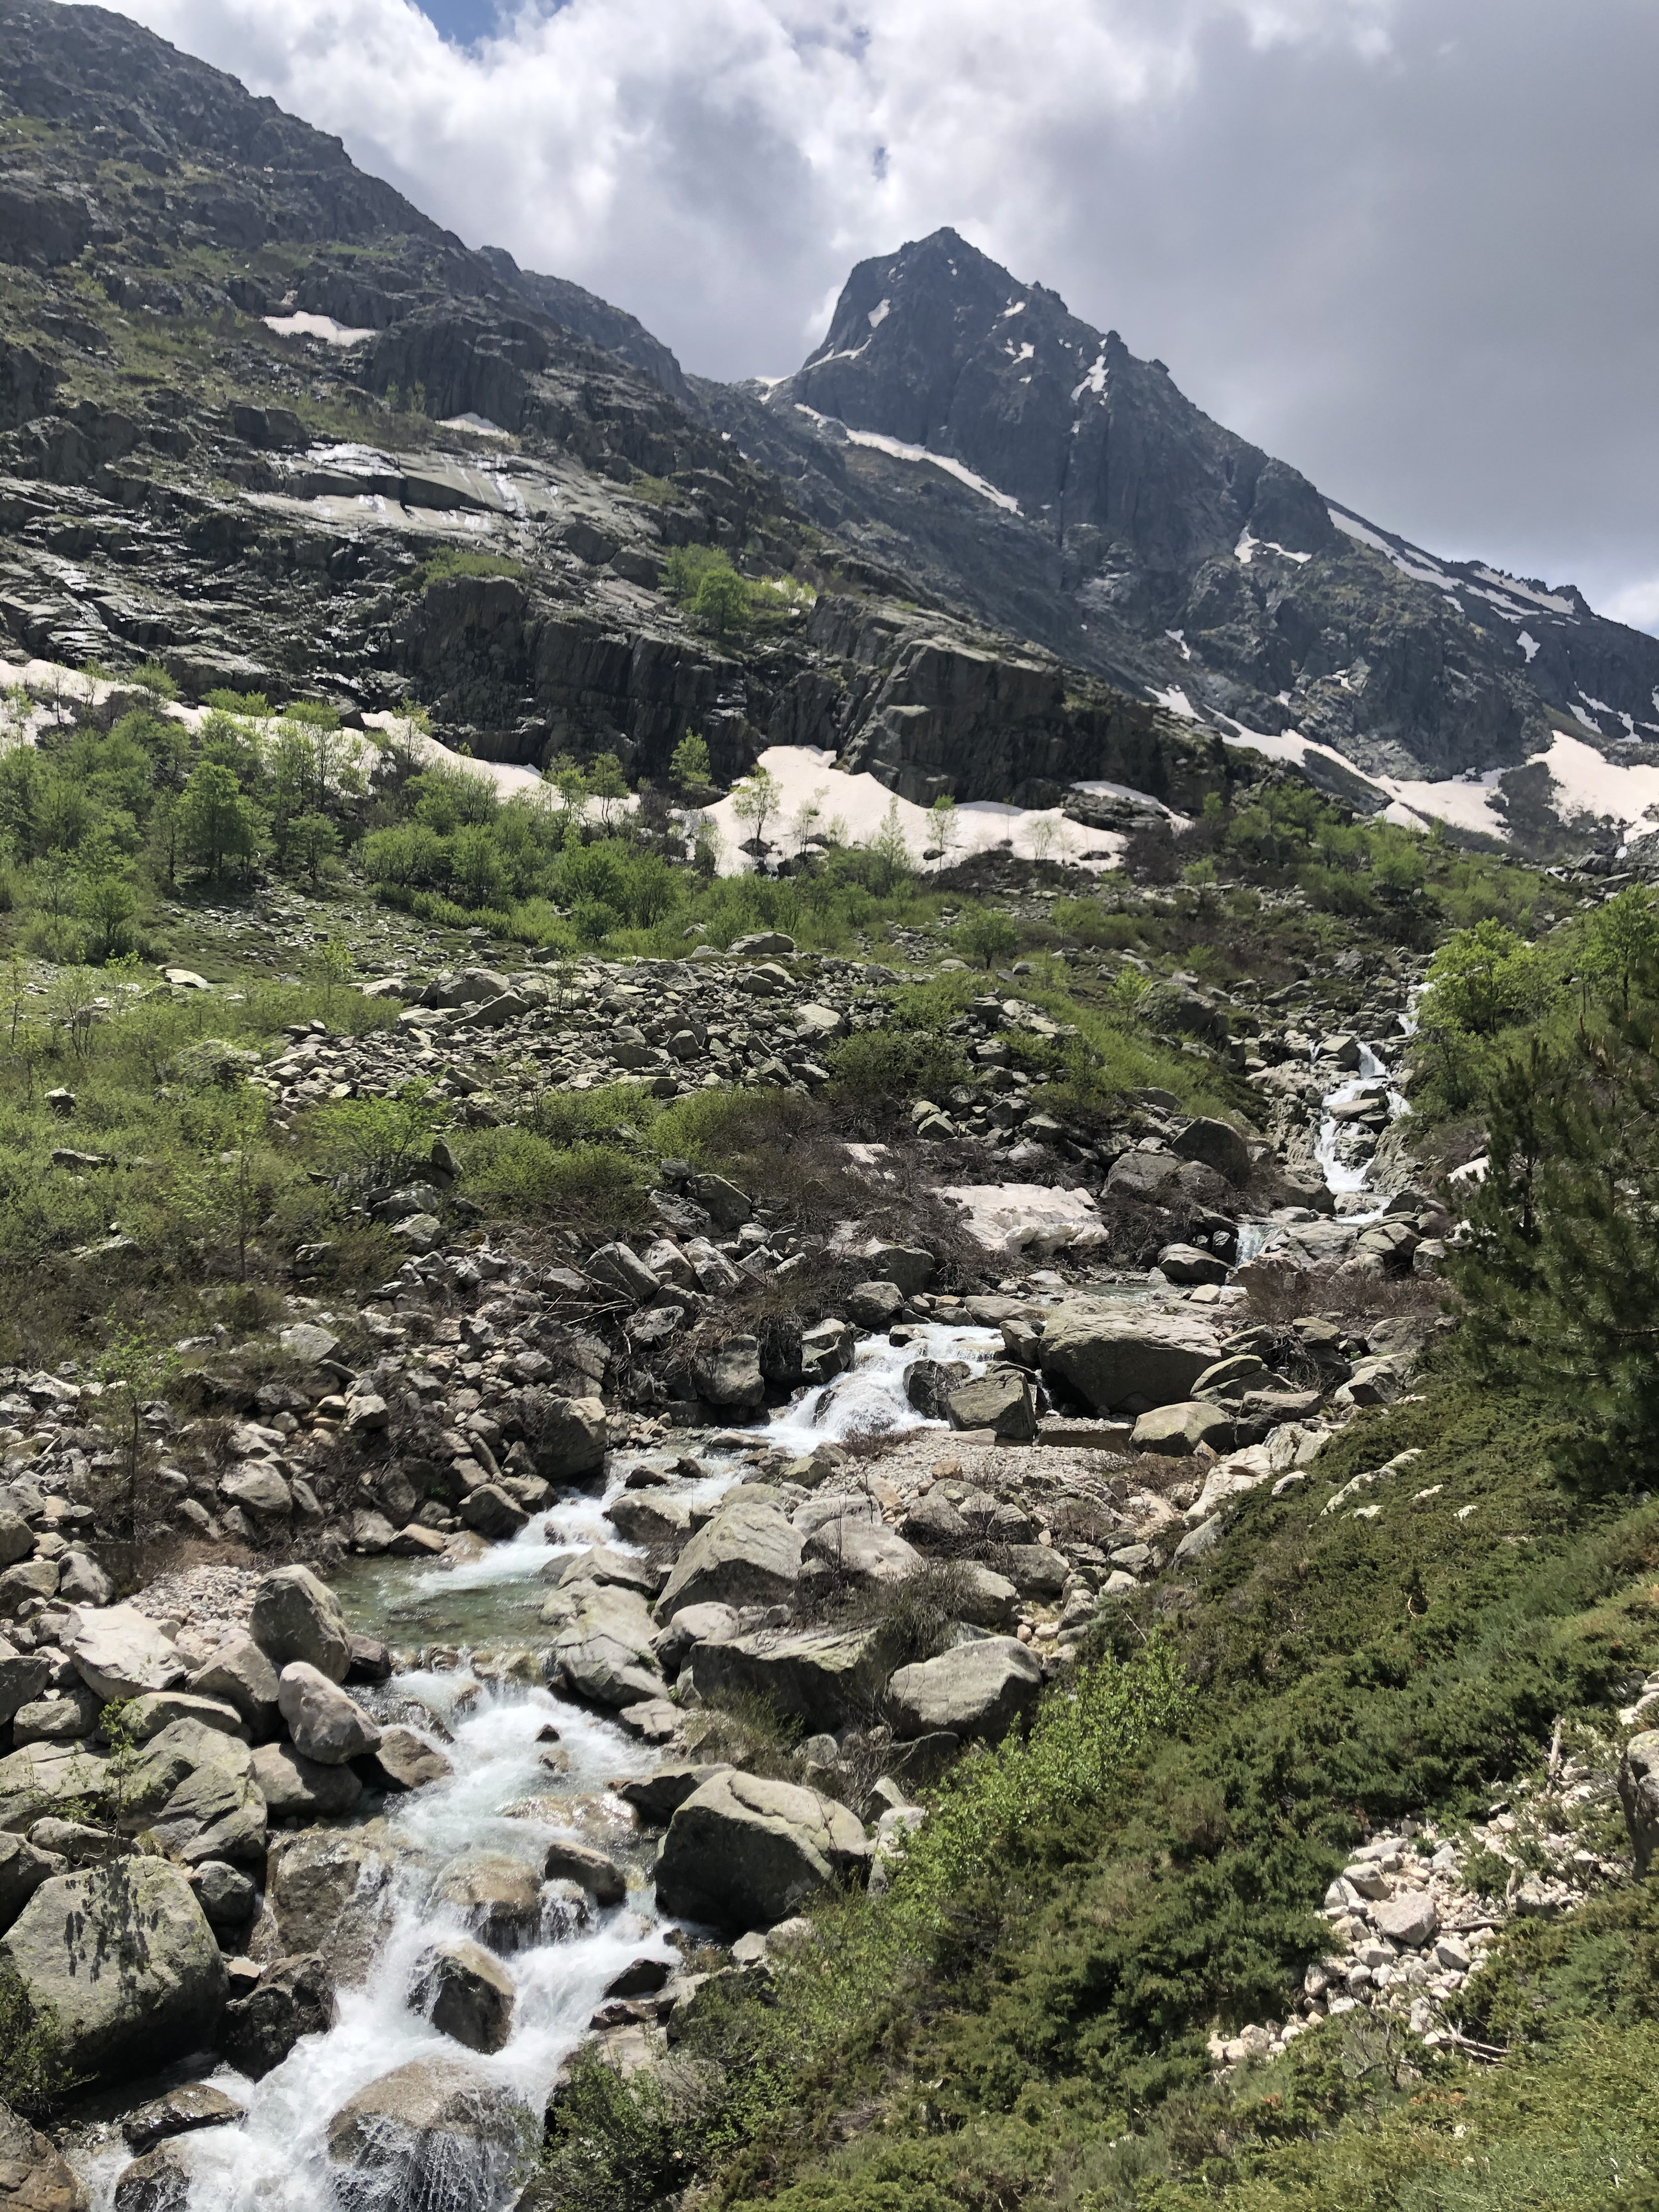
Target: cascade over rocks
[(436, 2134)]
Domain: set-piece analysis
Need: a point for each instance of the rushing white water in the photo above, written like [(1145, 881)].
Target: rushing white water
[(870, 1395), (278, 2161), (1344, 1178), (500, 1798)]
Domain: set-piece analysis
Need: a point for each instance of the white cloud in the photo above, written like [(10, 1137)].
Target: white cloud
[(714, 164), (1403, 260), (1636, 604)]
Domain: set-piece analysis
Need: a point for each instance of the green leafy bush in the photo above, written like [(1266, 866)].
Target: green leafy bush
[(895, 1065), (593, 1185), (453, 561), (987, 937)]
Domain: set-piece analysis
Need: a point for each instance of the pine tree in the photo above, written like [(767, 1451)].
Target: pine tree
[(689, 765), (1560, 1274)]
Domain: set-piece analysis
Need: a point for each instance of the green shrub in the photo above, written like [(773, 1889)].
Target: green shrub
[(987, 937), (1000, 1802), (888, 1065), (151, 676), (1096, 927), (439, 568), (370, 1143), (564, 1118), (616, 2145), (33, 2077), (526, 1178)]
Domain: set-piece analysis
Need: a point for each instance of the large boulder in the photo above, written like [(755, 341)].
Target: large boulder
[(171, 1757), (657, 1796), (618, 1270), (875, 1305), (259, 1488), (119, 1653), (980, 1689), (1186, 1263), (296, 1789), (22, 1870), (193, 2104), (327, 1727), (157, 2182), (591, 1870), (464, 1992), (928, 1384), (499, 1898), (1216, 1146), (294, 1997), (820, 1676), (1000, 1401), (122, 1959), (1133, 1359), (747, 1555), (33, 2176), (228, 1896), (436, 2136), (239, 1674), (730, 1374), (602, 1644), (912, 1266), (331, 1890), (145, 1718), (1143, 1177), (405, 1761), (568, 1437), (746, 1852), (296, 1617), (216, 1813), (44, 1777), (489, 1512), (23, 1676), (1639, 1794), (1181, 1428), (650, 1516), (602, 1563), (858, 1550), (1409, 1919)]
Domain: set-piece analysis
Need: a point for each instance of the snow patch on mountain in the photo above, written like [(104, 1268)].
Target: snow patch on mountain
[(1553, 601), (316, 327), (900, 451), (818, 800)]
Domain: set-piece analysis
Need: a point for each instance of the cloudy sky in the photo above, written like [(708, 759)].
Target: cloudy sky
[(1405, 244)]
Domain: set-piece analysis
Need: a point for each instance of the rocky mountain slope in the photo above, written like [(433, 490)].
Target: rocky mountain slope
[(1102, 514), (230, 361), (259, 418)]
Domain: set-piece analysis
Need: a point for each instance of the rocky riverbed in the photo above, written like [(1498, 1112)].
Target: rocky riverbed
[(400, 1839)]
